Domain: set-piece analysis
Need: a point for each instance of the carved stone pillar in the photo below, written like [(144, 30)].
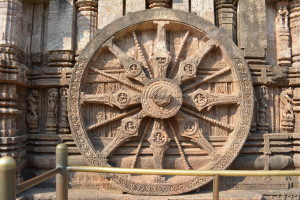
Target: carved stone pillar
[(12, 73), (86, 22), (60, 33), (159, 3), (10, 16), (295, 31), (109, 11), (63, 114), (136, 5), (37, 33), (52, 111), (226, 12), (296, 109), (252, 30), (181, 5), (283, 34), (204, 8)]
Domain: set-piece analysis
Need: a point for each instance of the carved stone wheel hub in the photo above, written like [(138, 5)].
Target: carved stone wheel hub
[(160, 89), (161, 99)]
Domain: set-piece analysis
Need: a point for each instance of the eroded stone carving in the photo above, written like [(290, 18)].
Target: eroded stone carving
[(32, 115), (160, 101), (287, 113), (283, 14), (63, 115), (283, 34), (51, 122), (262, 99)]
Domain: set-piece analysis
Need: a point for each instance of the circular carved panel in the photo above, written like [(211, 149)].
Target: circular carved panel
[(160, 89)]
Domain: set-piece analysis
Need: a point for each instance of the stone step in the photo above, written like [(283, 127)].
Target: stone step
[(94, 194)]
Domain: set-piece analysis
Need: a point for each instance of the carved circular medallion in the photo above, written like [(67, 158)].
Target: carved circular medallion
[(160, 89), (200, 99), (189, 127), (161, 99), (135, 70), (123, 98)]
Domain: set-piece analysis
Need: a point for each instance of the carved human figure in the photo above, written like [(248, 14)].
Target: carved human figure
[(52, 100), (32, 116), (287, 101), (282, 16), (51, 122), (262, 105)]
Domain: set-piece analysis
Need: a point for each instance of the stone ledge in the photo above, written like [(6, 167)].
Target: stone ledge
[(80, 194)]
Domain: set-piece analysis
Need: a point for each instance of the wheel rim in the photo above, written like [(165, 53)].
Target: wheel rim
[(170, 118)]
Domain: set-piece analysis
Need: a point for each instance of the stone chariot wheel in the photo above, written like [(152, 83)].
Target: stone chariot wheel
[(160, 89)]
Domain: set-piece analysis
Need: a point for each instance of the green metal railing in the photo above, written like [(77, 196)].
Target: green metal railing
[(9, 188)]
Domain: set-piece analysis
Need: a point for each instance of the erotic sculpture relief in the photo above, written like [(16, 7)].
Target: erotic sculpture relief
[(164, 93)]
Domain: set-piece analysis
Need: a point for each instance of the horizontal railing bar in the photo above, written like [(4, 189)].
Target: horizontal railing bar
[(184, 172), (36, 180)]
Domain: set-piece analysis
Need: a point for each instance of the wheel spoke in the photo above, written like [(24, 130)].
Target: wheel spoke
[(181, 47), (113, 119), (140, 145), (159, 140), (122, 98), (161, 58), (141, 54), (133, 68), (208, 119), (189, 128), (129, 128), (182, 155), (188, 68), (202, 99), (199, 82), (117, 78)]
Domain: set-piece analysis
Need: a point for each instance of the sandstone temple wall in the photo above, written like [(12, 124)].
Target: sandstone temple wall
[(40, 41)]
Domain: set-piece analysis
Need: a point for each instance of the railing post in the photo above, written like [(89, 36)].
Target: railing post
[(7, 178), (62, 177), (216, 187)]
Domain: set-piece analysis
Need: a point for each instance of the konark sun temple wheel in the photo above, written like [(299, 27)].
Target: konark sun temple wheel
[(160, 89)]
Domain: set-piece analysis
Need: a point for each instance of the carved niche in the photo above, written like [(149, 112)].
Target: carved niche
[(160, 89)]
